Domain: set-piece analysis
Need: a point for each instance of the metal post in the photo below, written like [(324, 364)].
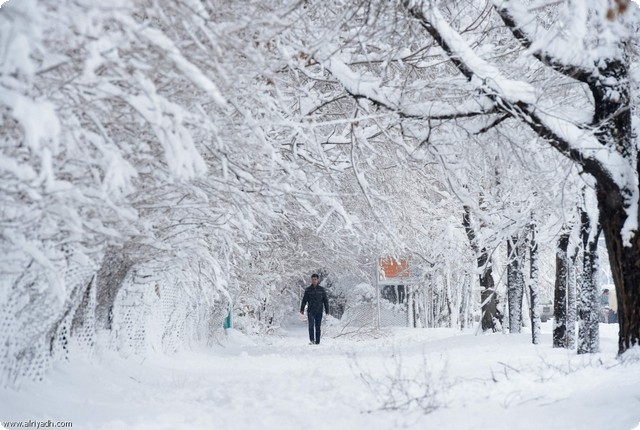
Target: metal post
[(377, 274), (408, 301)]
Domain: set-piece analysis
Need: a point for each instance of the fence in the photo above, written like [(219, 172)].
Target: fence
[(47, 318)]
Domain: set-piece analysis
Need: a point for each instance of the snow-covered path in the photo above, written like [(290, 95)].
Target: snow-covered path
[(280, 382)]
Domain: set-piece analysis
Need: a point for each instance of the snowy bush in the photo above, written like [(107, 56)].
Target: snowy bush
[(361, 293)]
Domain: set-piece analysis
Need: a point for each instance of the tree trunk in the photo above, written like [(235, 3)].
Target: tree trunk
[(489, 309), (588, 305), (447, 297), (515, 283), (487, 294), (571, 299), (464, 304), (614, 129), (560, 293), (534, 276), (414, 313), (625, 265)]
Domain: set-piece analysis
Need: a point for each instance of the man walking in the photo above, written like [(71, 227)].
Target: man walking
[(316, 297)]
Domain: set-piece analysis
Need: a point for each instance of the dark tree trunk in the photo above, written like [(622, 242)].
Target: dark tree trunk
[(560, 293), (489, 310), (612, 122), (625, 266), (413, 309), (571, 298), (534, 276), (515, 283), (487, 295), (588, 305)]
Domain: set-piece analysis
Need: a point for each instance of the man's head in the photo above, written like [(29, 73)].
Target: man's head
[(314, 279)]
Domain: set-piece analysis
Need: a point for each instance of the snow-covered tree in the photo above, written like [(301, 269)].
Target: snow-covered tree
[(508, 64), (602, 146), (141, 170), (373, 60), (589, 300)]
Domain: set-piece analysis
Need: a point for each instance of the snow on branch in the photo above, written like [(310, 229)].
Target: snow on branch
[(554, 51), (482, 74), (158, 39), (362, 85), (519, 99)]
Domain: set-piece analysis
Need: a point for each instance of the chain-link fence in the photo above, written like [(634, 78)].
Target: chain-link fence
[(161, 312), (40, 306), (48, 318)]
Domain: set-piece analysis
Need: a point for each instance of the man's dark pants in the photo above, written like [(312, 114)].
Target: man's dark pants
[(315, 320)]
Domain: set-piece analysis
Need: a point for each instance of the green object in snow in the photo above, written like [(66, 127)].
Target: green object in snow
[(227, 320)]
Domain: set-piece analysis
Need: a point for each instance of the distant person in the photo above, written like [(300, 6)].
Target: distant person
[(316, 298), (604, 306), (613, 307)]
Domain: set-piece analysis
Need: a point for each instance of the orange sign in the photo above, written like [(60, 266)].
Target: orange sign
[(392, 268)]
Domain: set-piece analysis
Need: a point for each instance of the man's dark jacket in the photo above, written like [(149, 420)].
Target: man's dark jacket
[(316, 297)]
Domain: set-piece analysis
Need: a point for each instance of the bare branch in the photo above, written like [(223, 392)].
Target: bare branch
[(494, 123)]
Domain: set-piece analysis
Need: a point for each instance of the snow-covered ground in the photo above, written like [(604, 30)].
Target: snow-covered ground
[(279, 382)]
